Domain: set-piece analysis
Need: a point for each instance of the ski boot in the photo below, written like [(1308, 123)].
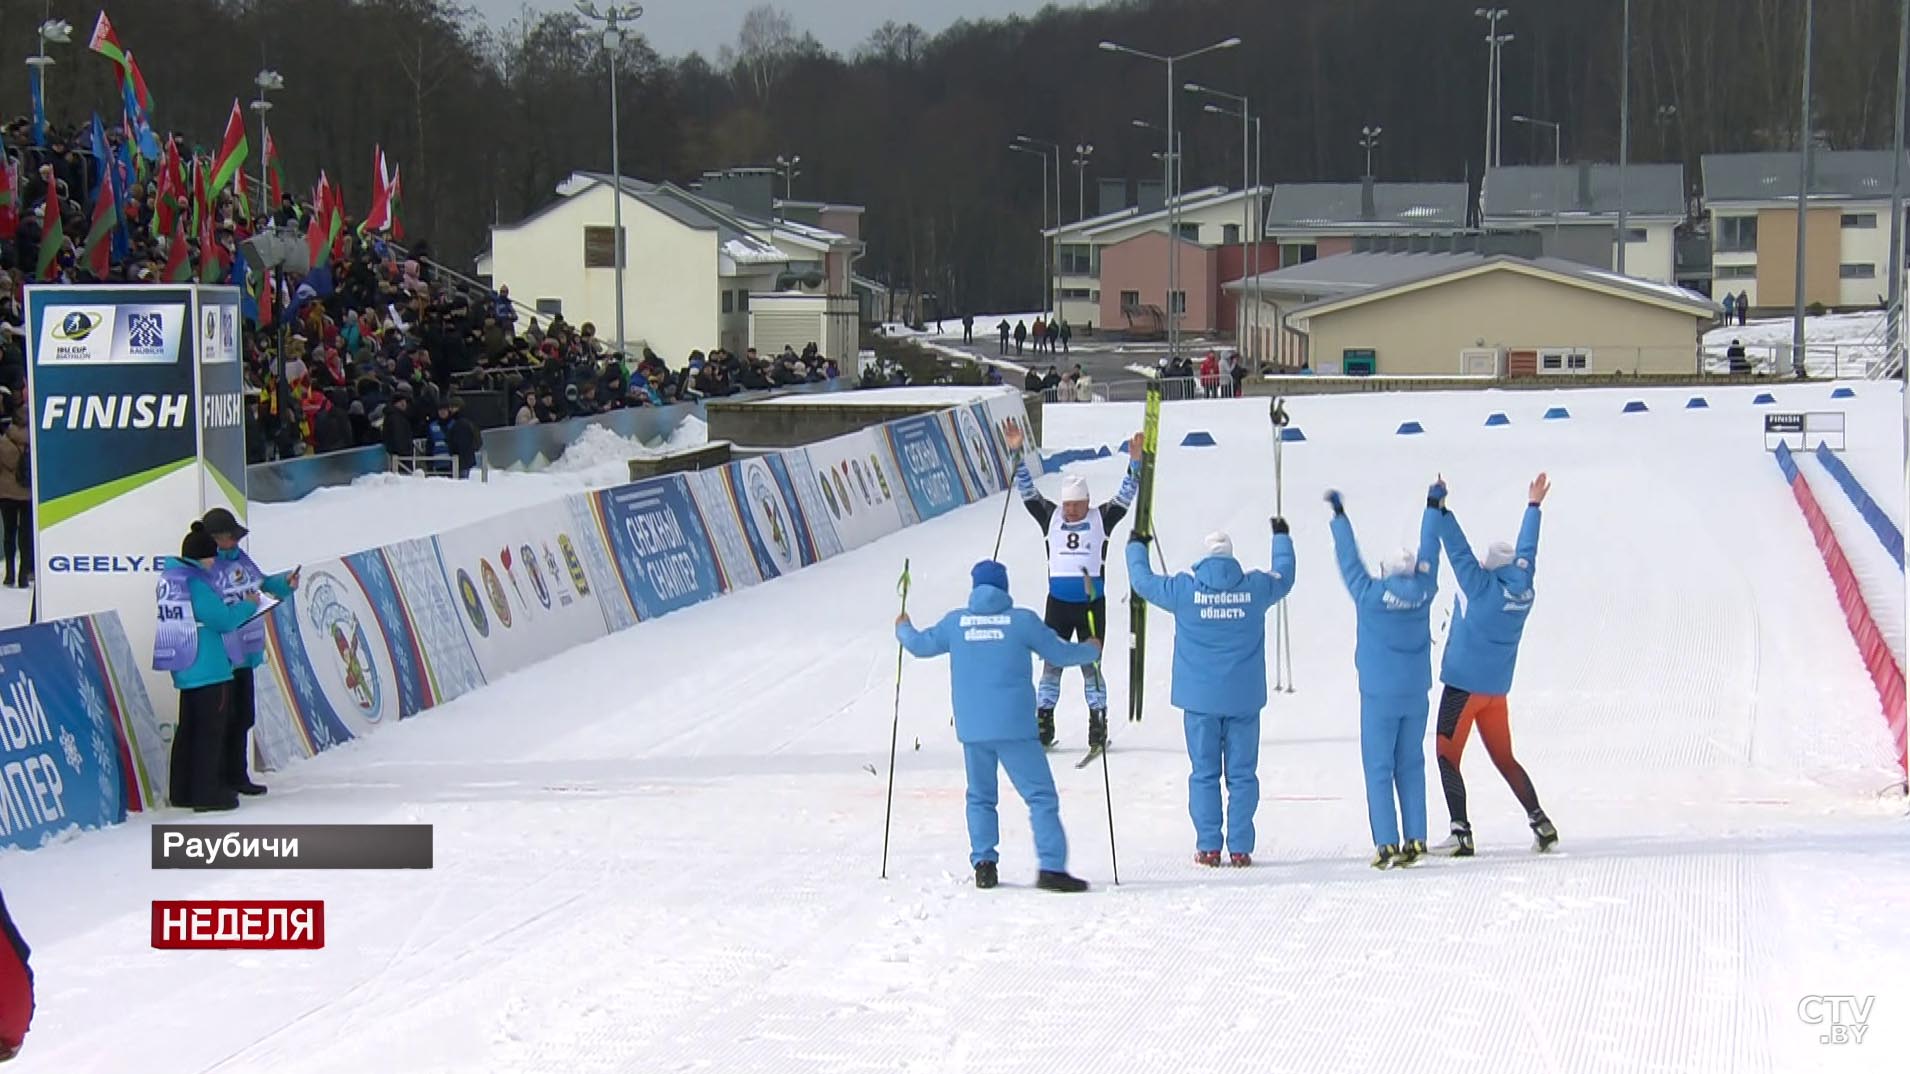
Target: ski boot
[(1209, 858), (1544, 835), (1459, 845), (1240, 861), (1059, 880), (1409, 853), (1044, 721), (1097, 729), (985, 875), (1385, 857)]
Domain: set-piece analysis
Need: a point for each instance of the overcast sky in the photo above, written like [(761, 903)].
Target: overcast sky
[(675, 27)]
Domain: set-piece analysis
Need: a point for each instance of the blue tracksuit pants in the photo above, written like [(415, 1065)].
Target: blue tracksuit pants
[(1393, 752), (1229, 747), (1027, 766)]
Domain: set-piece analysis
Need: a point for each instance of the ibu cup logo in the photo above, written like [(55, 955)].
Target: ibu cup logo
[(76, 326), (765, 503)]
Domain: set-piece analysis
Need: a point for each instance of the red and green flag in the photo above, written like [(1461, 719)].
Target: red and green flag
[(98, 254), (397, 202), (274, 178), (232, 153), (9, 198), (178, 268), (317, 239), (378, 217), (172, 189), (106, 43), (52, 236)]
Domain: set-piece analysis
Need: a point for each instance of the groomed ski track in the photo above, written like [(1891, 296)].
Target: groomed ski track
[(659, 852)]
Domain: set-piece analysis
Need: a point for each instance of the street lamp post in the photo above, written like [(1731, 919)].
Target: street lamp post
[(613, 19), (1495, 44), (1046, 281), (1558, 165), (267, 81), (1170, 158), (1369, 140), (1247, 197), (54, 32), (1624, 129), (1082, 154), (1803, 191), (1055, 255), (787, 165)]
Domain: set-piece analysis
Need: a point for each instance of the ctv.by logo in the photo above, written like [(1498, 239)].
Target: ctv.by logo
[(1844, 1019)]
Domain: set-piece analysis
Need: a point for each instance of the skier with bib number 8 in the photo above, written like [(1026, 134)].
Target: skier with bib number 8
[(1077, 536)]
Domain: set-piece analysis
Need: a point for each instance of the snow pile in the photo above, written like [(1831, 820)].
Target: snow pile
[(1835, 344), (599, 454)]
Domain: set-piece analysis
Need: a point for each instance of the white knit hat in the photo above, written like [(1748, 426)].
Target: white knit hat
[(1500, 554), (1074, 487), (1219, 544), (1404, 561)]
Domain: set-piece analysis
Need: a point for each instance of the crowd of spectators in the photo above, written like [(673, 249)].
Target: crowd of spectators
[(387, 331)]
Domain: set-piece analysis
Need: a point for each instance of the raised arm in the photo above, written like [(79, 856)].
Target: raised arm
[(1473, 578), (1116, 509), (1528, 546), (1281, 576), (1152, 587), (1347, 550), (1430, 524)]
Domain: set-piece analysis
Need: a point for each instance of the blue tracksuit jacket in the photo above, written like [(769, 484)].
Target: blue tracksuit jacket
[(991, 645), (1393, 651), (1484, 646), (1220, 625)]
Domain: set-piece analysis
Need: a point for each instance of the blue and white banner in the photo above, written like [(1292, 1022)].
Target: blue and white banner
[(661, 547), (710, 492), (813, 495), (921, 447), (63, 757), (580, 545)]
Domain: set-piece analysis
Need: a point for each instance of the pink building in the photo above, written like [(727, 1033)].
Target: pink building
[(1134, 274)]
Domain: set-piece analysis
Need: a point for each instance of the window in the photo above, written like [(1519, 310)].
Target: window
[(1076, 260), (1634, 234), (1179, 302), (1737, 234), (1230, 234), (1130, 299), (1297, 253), (1077, 293), (1866, 221), (1563, 361), (729, 301), (1862, 270), (1190, 232), (1735, 272), (1094, 296), (600, 249), (742, 300), (550, 307)]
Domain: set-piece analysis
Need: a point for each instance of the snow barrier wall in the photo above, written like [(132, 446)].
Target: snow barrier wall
[(1871, 643), (79, 746), (382, 635)]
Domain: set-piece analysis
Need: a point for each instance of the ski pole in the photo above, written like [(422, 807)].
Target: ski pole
[(895, 725), (1007, 497), (1107, 789), (1282, 632)]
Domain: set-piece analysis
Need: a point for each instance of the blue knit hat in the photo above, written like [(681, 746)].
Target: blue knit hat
[(989, 572)]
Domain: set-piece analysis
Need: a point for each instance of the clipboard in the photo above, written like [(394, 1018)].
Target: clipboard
[(264, 610)]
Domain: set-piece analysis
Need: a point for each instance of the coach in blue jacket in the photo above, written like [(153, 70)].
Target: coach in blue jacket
[(1220, 678), (1393, 655), (991, 645)]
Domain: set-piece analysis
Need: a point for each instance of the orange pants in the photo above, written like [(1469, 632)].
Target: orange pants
[(1458, 712)]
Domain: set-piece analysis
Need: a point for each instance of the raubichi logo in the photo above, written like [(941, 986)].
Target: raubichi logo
[(76, 326)]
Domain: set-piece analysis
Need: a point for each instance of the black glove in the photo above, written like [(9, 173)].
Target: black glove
[(1139, 538), (1279, 524)]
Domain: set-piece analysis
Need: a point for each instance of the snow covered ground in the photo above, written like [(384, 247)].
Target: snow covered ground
[(1835, 344), (658, 852)]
